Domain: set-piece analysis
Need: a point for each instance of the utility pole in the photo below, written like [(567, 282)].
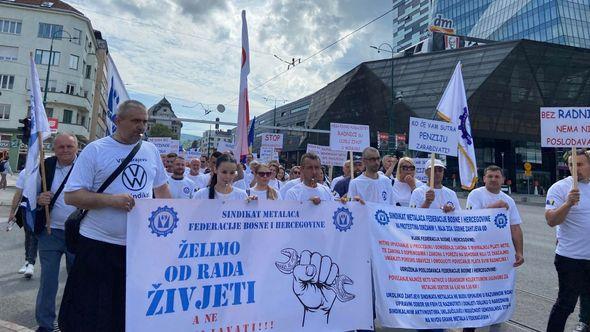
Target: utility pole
[(274, 112)]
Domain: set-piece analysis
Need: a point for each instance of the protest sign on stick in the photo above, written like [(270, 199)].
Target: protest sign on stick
[(349, 137), (566, 127)]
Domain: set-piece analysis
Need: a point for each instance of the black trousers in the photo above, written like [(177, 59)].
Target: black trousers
[(94, 296), (574, 280)]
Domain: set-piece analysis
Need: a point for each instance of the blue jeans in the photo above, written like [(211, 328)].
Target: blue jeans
[(30, 246), (51, 248)]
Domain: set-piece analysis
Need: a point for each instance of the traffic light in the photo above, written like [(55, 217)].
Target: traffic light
[(216, 123), (25, 130)]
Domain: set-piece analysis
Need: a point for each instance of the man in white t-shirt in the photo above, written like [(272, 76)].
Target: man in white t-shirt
[(52, 245), (371, 186), (309, 189), (492, 197), (440, 197), (196, 174), (180, 186), (94, 297), (568, 210)]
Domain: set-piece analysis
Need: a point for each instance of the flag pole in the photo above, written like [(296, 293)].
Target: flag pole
[(43, 183)]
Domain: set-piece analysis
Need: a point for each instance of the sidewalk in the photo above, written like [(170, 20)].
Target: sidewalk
[(11, 327)]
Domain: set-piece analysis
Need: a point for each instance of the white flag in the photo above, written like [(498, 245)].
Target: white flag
[(241, 149), (40, 130), (453, 108), (117, 94)]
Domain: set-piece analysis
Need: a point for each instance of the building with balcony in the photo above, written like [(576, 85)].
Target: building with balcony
[(28, 27)]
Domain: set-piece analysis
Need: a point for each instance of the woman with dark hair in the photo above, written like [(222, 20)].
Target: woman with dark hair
[(222, 178)]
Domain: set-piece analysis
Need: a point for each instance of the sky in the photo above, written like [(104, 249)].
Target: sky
[(189, 50)]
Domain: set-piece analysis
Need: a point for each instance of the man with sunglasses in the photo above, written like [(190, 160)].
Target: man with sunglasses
[(440, 197), (371, 186), (567, 209)]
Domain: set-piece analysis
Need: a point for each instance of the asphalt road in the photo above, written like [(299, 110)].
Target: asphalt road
[(536, 279)]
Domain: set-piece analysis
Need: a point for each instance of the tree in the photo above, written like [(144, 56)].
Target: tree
[(159, 130)]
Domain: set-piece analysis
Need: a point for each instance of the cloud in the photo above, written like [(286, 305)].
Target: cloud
[(189, 50)]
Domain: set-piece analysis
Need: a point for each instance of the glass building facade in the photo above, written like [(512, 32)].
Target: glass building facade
[(506, 84), (565, 22)]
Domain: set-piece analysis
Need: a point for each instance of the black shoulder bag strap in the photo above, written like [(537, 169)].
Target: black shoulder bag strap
[(119, 169), (60, 189)]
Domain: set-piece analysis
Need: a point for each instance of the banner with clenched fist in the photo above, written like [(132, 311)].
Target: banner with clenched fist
[(238, 266)]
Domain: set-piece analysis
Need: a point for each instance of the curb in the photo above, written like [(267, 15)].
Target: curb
[(12, 327)]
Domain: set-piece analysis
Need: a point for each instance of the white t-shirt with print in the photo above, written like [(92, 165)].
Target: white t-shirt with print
[(481, 198), (402, 192), (235, 195), (301, 192), (95, 164), (262, 194), (442, 197), (184, 188), (377, 190), (573, 233)]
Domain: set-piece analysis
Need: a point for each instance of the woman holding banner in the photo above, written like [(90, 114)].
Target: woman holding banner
[(221, 185), (405, 182), (261, 189)]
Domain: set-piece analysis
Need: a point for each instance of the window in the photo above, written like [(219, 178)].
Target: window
[(52, 85), (67, 118), (10, 26), (74, 59), (70, 88), (42, 57), (76, 36), (47, 30), (8, 53), (4, 111), (88, 71), (49, 112), (6, 82)]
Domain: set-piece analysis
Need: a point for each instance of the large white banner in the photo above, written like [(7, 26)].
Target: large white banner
[(211, 265), (565, 127), (436, 270)]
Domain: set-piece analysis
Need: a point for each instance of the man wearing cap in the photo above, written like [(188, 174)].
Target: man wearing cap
[(439, 197), (343, 184)]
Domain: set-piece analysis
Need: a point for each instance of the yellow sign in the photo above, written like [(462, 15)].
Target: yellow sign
[(528, 167), (528, 173)]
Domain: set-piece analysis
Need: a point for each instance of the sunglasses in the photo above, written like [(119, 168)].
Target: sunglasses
[(264, 174), (408, 168), (296, 172)]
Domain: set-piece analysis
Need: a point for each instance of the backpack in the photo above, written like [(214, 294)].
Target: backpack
[(3, 166)]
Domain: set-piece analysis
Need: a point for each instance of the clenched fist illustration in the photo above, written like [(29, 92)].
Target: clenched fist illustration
[(317, 281)]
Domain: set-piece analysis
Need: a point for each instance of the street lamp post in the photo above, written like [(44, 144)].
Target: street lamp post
[(53, 36), (379, 49)]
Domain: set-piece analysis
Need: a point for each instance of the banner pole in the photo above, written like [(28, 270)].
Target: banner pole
[(351, 166), (432, 171), (574, 168), (330, 172), (43, 184)]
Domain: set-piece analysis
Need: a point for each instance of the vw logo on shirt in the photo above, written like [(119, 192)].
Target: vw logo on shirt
[(134, 177)]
